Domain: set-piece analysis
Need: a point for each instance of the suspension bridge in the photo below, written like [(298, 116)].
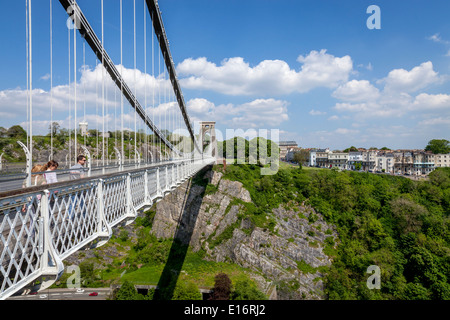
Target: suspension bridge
[(43, 224)]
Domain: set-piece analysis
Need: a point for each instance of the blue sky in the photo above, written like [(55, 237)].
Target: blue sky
[(311, 69)]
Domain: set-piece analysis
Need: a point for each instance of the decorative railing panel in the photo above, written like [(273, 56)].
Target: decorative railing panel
[(72, 216), (152, 184), (138, 189), (20, 241)]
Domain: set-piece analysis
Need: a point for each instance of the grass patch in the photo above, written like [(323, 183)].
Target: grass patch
[(304, 267), (211, 189)]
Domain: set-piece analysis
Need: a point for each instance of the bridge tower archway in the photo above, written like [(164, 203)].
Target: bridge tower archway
[(208, 128)]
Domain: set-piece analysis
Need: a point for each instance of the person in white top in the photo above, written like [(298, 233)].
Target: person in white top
[(50, 176)]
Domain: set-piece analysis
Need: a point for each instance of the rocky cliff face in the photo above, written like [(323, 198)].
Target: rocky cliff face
[(290, 256)]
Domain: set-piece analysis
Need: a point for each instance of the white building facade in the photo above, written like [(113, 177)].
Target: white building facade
[(314, 153), (404, 162), (385, 163), (338, 160), (442, 160), (354, 157)]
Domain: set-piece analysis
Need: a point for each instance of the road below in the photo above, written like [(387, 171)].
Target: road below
[(66, 294)]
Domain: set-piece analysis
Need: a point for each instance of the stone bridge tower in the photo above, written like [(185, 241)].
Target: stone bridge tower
[(208, 127)]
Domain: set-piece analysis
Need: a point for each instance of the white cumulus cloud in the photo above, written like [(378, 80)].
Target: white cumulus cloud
[(411, 81), (234, 76), (257, 114), (398, 97), (425, 101), (357, 90)]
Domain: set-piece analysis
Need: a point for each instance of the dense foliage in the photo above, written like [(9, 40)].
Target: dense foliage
[(244, 151), (246, 290), (127, 291), (398, 224), (438, 146)]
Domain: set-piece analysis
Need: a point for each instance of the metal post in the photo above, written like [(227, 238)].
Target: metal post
[(52, 270), (104, 231), (146, 190), (129, 197), (100, 206), (131, 212), (167, 179), (119, 158), (158, 183), (137, 157), (43, 250), (29, 163), (151, 156), (174, 182)]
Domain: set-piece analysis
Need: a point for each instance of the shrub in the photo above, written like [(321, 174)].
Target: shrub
[(246, 290), (127, 291), (123, 236), (186, 291)]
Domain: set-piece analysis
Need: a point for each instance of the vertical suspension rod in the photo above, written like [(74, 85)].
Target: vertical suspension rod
[(158, 25), (88, 33)]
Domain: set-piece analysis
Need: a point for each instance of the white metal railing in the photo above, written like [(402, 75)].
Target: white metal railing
[(39, 229)]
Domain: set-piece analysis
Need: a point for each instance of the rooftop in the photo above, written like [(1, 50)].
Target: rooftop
[(287, 143)]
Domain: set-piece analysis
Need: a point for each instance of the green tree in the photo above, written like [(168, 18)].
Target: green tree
[(301, 157), (16, 132), (415, 291), (352, 148), (236, 147), (438, 146), (127, 291), (123, 235), (186, 291), (54, 129), (408, 215)]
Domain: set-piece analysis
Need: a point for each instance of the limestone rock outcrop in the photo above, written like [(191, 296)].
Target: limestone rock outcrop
[(289, 256)]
